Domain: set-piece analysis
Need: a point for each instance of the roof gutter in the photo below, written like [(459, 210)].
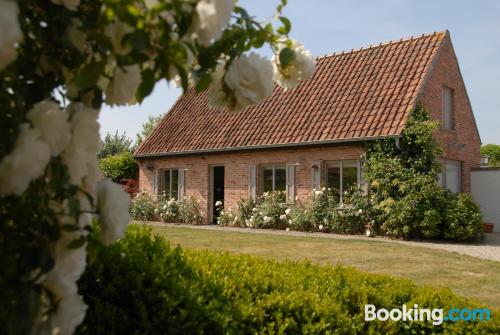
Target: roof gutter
[(264, 147)]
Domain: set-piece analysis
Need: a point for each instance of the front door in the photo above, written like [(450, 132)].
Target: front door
[(218, 190)]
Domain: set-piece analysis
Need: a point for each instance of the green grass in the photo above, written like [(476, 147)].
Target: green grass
[(467, 276)]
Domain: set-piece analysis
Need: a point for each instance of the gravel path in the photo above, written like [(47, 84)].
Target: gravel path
[(487, 249)]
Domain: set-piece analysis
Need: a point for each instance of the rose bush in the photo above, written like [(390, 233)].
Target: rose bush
[(59, 62)]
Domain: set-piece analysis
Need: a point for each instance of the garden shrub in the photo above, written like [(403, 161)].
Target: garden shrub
[(118, 167), (142, 207), (185, 210), (189, 211), (270, 211), (143, 286), (464, 220), (167, 209), (407, 200), (146, 207)]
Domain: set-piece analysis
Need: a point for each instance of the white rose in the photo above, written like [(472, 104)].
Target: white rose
[(218, 203), (250, 79), (290, 221), (69, 314), (79, 156), (26, 162), (288, 211), (69, 4), (52, 122), (283, 217), (93, 176), (318, 193), (69, 265), (121, 91), (288, 229), (267, 219), (11, 32), (113, 204), (116, 31), (300, 68), (211, 17), (320, 227)]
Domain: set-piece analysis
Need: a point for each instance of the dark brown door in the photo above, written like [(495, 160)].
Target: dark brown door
[(218, 190)]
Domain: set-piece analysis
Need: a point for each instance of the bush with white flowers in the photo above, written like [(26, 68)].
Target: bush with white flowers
[(60, 60)]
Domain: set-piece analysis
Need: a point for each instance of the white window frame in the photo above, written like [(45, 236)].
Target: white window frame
[(340, 164), (267, 166), (445, 125), (161, 182)]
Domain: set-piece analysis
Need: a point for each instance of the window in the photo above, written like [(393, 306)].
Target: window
[(342, 175), (448, 108), (273, 178), (169, 183), (451, 175)]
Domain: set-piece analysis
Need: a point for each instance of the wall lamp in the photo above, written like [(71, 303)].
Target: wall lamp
[(299, 162)]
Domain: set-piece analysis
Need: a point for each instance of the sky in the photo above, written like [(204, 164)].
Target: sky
[(327, 26)]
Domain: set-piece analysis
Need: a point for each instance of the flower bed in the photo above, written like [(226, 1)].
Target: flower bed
[(149, 208)]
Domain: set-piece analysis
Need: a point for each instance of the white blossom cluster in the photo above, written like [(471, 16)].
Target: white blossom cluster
[(249, 79), (50, 133), (11, 32)]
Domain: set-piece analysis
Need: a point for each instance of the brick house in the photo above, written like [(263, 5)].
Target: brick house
[(313, 136)]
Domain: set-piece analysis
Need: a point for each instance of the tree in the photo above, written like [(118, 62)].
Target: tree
[(147, 128), (60, 60), (118, 167), (114, 144), (493, 153)]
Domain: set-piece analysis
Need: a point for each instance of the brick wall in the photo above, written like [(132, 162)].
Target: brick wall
[(446, 72), (236, 169)]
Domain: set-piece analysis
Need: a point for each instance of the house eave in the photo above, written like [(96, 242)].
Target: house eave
[(263, 147)]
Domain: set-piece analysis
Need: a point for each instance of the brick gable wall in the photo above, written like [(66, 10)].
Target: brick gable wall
[(446, 72)]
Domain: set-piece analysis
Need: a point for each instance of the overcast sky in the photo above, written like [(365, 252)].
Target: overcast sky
[(327, 26)]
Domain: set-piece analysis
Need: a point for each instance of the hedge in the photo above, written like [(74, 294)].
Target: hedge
[(141, 285)]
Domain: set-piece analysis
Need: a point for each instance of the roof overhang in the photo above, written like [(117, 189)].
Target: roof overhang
[(343, 141)]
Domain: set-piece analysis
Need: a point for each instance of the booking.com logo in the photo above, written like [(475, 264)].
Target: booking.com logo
[(436, 315)]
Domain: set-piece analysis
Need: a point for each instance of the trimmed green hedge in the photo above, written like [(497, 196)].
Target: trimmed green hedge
[(143, 286), (119, 166)]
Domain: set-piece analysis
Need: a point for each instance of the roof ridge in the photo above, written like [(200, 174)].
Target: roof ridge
[(371, 46)]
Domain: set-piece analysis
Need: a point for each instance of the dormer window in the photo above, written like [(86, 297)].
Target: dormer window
[(448, 109)]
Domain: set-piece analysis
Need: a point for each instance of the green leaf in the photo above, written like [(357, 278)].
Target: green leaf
[(269, 28), (146, 86), (78, 243), (286, 56), (70, 227), (89, 75), (184, 77), (102, 40), (139, 40), (287, 26), (203, 83), (74, 205)]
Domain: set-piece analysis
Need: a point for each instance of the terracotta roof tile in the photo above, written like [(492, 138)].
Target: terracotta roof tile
[(366, 92)]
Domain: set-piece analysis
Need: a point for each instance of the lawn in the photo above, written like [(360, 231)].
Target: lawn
[(467, 276)]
